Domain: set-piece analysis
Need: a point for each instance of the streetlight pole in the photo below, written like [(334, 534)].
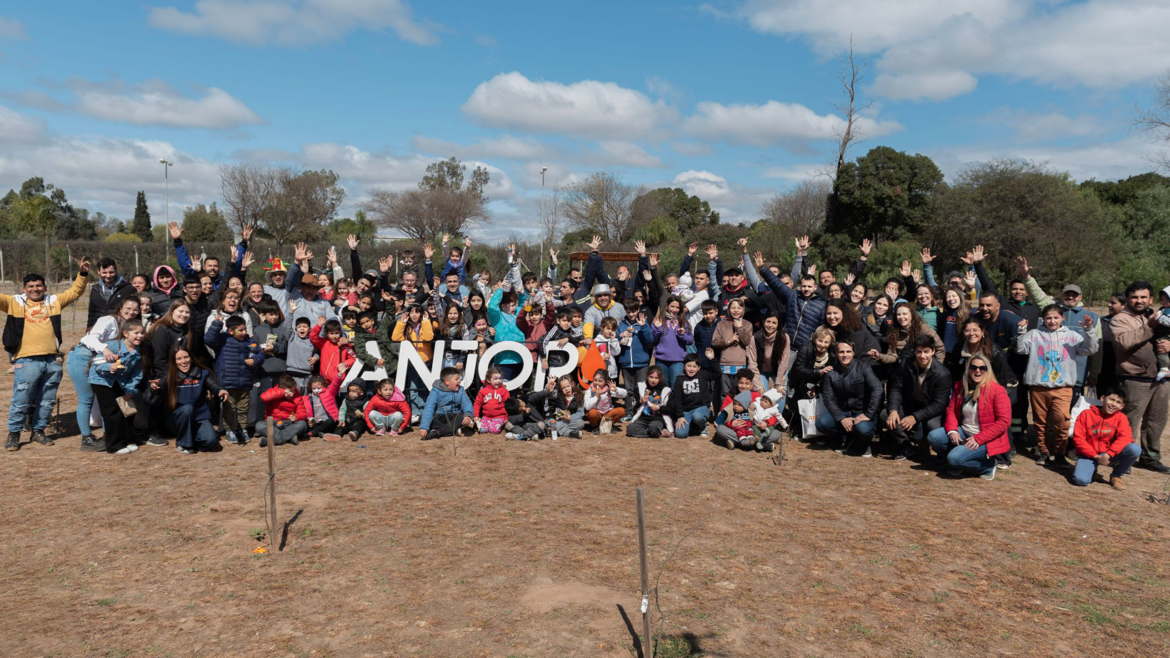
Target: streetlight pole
[(167, 186), (543, 224)]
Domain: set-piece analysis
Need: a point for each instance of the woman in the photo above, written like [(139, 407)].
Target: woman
[(768, 356), (847, 326), (475, 309), (252, 300), (908, 325), (234, 284), (140, 283), (814, 360), (108, 328), (976, 423), (166, 333), (184, 390), (731, 338), (672, 337), (1050, 376), (976, 341), (954, 314), (419, 330), (879, 319), (927, 305), (857, 294), (229, 306), (450, 329), (116, 379), (166, 288), (853, 397)]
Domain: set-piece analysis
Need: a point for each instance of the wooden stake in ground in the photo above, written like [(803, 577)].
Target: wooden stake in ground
[(272, 545), (647, 649)]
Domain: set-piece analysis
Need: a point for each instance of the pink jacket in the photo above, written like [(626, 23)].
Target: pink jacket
[(328, 400)]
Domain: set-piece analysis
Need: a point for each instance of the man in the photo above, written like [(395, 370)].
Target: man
[(805, 307), (200, 311), (1019, 304), (108, 292), (603, 307), (1146, 400), (32, 338), (211, 265), (303, 301), (1002, 327), (918, 395)]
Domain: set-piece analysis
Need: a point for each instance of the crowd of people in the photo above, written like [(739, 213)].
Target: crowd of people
[(736, 353)]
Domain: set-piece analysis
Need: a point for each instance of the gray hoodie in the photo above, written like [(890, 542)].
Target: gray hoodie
[(1051, 362)]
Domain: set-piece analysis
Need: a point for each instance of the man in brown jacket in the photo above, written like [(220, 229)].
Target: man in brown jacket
[(1147, 400)]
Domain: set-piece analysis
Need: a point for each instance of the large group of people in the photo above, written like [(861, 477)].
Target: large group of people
[(737, 353)]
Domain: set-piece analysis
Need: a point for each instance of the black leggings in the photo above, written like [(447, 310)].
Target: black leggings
[(117, 426)]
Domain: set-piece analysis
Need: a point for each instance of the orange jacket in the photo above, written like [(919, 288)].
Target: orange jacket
[(1094, 433), (423, 337)]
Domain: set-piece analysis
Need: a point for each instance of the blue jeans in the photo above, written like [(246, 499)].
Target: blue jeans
[(671, 370), (416, 391), (77, 365), (1085, 469), (832, 429), (191, 434), (695, 419), (35, 382), (958, 456)]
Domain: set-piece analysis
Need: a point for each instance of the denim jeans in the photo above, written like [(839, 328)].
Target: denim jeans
[(77, 365), (692, 422), (832, 429), (35, 382), (671, 369), (191, 434), (1085, 469), (958, 456), (416, 391)]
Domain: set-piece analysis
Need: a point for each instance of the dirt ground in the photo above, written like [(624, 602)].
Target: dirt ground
[(481, 547)]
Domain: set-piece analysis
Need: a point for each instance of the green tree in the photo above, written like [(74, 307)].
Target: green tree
[(443, 203), (205, 224), (884, 195), (359, 225), (76, 226), (672, 206), (1124, 192), (141, 224), (448, 175)]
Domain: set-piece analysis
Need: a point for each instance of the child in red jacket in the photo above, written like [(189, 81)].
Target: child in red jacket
[(490, 414), (283, 404), (388, 411), (319, 407), (1103, 437), (337, 353)]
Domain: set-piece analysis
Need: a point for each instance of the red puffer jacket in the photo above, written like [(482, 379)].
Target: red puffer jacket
[(1095, 433), (995, 416), (280, 407), (490, 402)]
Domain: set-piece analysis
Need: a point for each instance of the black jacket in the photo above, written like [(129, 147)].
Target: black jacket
[(956, 363), (690, 393), (936, 390), (803, 376), (99, 305), (852, 390)]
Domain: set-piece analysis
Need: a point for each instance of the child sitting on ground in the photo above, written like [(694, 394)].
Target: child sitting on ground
[(490, 413), (537, 411), (388, 411), (448, 409), (320, 407), (766, 417), (352, 411), (650, 421), (283, 404), (604, 403), (237, 356), (737, 430)]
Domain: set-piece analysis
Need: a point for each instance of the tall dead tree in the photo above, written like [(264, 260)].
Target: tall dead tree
[(851, 77)]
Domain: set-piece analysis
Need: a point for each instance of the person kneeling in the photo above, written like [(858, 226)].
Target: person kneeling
[(852, 394), (977, 421), (918, 394), (1102, 437), (282, 403), (448, 409)]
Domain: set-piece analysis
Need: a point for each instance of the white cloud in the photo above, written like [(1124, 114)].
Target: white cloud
[(292, 22), (589, 108), (625, 154), (735, 203), (773, 123), (155, 103), (16, 128), (11, 28), (706, 185), (798, 172), (935, 49), (1103, 160), (505, 147), (1031, 126)]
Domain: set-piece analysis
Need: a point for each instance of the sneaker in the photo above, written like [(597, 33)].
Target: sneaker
[(759, 446), (156, 441), (627, 418), (242, 435), (263, 442), (1060, 462), (231, 438), (597, 431), (989, 474), (1042, 459), (183, 451), (39, 437), (868, 452), (133, 447), (379, 431), (768, 446), (337, 437), (352, 436), (901, 453), (574, 434), (840, 450), (415, 418), (89, 444), (390, 433), (954, 472), (1116, 483), (1003, 466), (511, 436), (293, 439), (730, 443), (125, 451), (1157, 467), (705, 435), (13, 442)]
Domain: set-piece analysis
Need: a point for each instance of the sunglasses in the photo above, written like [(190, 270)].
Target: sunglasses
[(975, 368)]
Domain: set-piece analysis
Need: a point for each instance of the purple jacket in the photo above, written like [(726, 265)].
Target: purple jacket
[(669, 345)]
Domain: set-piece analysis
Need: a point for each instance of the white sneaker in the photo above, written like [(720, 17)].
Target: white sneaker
[(183, 451), (133, 447), (415, 418), (127, 450), (510, 436)]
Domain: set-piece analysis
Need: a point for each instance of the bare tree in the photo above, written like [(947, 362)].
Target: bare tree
[(798, 211), (249, 192), (305, 201), (851, 77), (552, 215), (426, 214), (1156, 119), (602, 204)]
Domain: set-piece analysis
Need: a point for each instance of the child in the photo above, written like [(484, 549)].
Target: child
[(349, 323), (352, 409), (603, 403), (1162, 330), (538, 412), (637, 339), (736, 431), (300, 355), (370, 329), (119, 378), (535, 324), (336, 351), (708, 355), (651, 421), (236, 358), (766, 416), (388, 411), (271, 336), (482, 334), (146, 316), (448, 409), (319, 407), (560, 335), (490, 414), (692, 398), (1102, 437), (569, 418), (609, 345), (282, 403)]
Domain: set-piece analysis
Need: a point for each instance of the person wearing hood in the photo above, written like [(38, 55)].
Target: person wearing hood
[(1074, 311), (107, 294), (448, 409), (853, 397), (162, 293)]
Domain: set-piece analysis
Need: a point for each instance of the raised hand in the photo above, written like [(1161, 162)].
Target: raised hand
[(917, 276), (466, 243), (969, 259), (1086, 323), (812, 270), (436, 283), (246, 233), (331, 256), (83, 265), (1022, 266), (850, 278), (759, 260), (300, 252), (232, 253), (712, 252), (926, 256), (654, 261), (552, 254), (905, 270), (640, 247), (978, 254), (446, 239), (969, 278), (692, 248), (428, 251), (595, 244), (247, 261), (866, 247), (742, 242), (196, 263), (802, 245), (353, 241), (176, 230), (384, 265)]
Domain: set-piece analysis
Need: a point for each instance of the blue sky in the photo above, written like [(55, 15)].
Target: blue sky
[(730, 100)]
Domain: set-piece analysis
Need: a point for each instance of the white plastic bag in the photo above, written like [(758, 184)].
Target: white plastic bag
[(809, 411), (1080, 405)]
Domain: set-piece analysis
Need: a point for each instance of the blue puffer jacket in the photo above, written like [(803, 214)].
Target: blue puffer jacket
[(230, 369), (804, 315), (637, 353), (444, 402)]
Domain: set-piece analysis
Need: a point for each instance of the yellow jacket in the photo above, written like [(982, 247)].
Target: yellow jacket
[(34, 328)]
